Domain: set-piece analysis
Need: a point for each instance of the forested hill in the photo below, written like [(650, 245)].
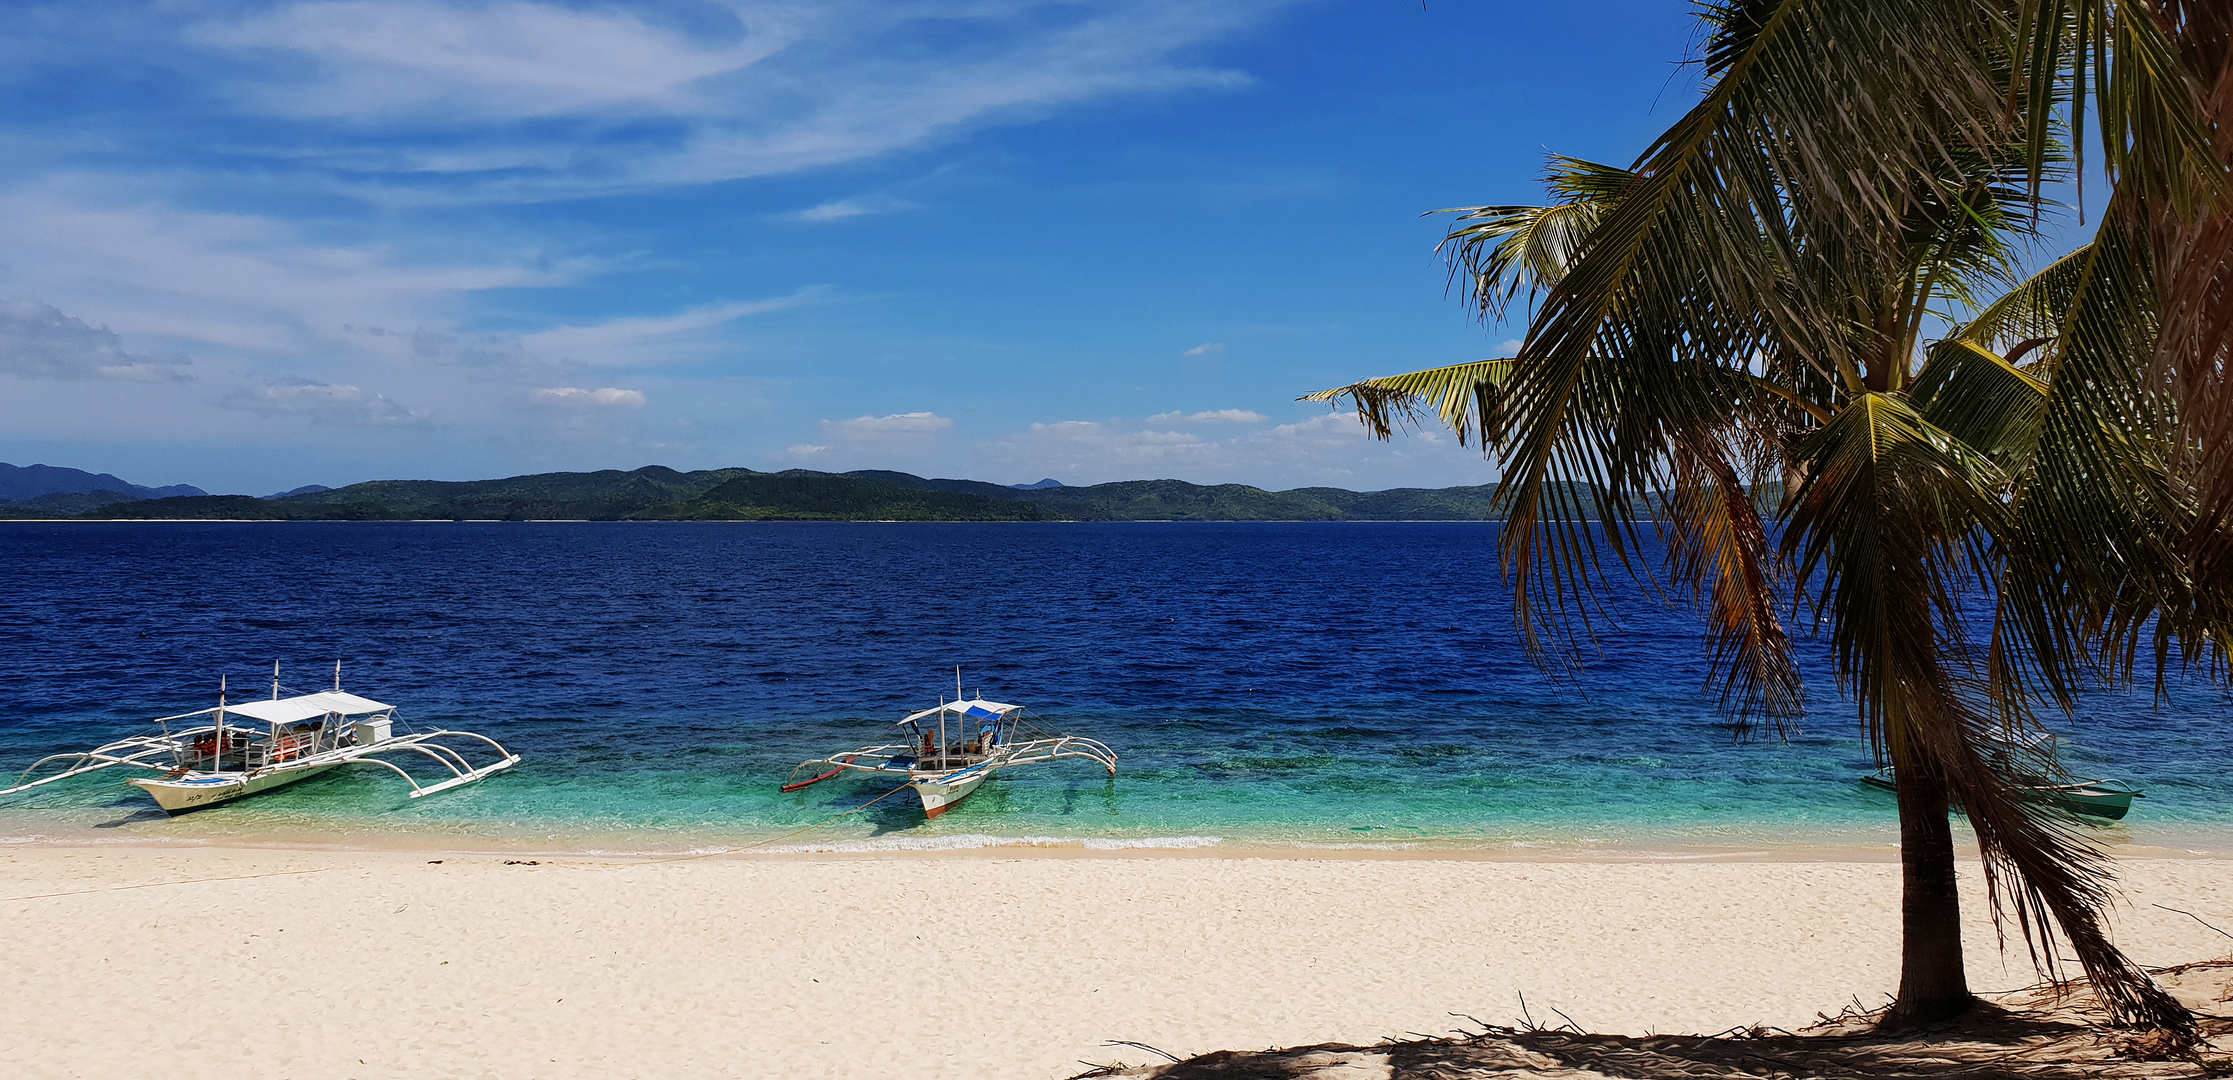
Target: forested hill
[(655, 493)]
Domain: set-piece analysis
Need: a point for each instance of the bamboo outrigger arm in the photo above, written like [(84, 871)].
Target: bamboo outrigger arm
[(1063, 746), (122, 752), (461, 771)]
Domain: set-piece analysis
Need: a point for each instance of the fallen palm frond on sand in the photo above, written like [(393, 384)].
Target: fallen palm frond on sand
[(2034, 1034)]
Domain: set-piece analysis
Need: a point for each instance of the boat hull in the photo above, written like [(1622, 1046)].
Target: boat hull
[(939, 794), (197, 790), (2107, 799)]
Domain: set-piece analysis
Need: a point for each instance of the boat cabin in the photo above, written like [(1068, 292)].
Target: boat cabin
[(257, 735), (956, 734)]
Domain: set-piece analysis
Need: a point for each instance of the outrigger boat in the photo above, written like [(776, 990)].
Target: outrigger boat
[(2108, 799), (2039, 777), (259, 745), (947, 752)]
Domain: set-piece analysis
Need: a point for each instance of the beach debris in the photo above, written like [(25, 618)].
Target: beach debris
[(2040, 1033)]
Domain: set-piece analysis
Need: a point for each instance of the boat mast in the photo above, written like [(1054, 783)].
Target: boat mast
[(337, 676), (275, 680), (217, 752)]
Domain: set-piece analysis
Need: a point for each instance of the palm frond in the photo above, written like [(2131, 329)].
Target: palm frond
[(2134, 65), (2031, 311), (1981, 399), (1463, 397), (2088, 560), (1718, 547), (1497, 251), (1813, 132)]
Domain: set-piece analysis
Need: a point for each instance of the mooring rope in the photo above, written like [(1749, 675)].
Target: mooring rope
[(155, 884)]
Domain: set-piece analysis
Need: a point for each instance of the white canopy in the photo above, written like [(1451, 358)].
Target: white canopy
[(307, 707), (977, 707)]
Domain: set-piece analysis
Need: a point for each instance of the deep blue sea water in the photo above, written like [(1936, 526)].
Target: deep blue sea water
[(1266, 685)]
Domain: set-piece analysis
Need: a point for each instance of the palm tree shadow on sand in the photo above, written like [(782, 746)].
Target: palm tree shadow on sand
[(2030, 1034)]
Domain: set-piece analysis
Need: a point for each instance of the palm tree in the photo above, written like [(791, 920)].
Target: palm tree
[(1744, 309)]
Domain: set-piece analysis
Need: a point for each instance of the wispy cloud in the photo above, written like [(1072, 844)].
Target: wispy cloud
[(1207, 348), (426, 61), (228, 280), (640, 339), (323, 403), (1212, 416), (841, 209), (1330, 448), (39, 341), (884, 427), (610, 397), (530, 100)]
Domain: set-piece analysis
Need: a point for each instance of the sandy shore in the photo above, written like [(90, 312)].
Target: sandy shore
[(276, 963)]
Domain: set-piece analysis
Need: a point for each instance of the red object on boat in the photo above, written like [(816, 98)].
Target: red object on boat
[(816, 780)]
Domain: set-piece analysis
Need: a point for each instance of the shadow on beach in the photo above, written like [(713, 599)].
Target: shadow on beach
[(2035, 1034)]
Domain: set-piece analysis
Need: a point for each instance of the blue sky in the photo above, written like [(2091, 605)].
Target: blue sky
[(250, 246)]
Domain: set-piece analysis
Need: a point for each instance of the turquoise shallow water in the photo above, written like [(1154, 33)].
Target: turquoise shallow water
[(1267, 685)]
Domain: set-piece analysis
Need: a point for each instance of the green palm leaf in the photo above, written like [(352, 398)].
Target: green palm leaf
[(1463, 397)]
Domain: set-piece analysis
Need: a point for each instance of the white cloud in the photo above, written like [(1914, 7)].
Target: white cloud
[(841, 209), (225, 282), (511, 99), (1213, 416), (1207, 348), (1510, 348), (882, 427), (387, 59), (38, 341), (322, 403), (806, 450), (1328, 448), (638, 340), (610, 397)]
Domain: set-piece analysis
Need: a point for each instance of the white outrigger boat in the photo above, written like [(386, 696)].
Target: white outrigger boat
[(259, 745), (2032, 761), (947, 752)]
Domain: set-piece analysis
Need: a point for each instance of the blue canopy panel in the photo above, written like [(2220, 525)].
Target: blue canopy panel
[(977, 708)]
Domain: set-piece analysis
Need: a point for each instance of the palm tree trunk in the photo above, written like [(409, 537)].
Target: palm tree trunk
[(1933, 983)]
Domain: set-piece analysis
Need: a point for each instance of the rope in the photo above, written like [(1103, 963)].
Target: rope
[(155, 884), (773, 839)]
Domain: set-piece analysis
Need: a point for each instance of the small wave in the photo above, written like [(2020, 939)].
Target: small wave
[(1160, 842), (980, 841)]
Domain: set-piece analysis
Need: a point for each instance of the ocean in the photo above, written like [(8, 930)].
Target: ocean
[(1267, 686)]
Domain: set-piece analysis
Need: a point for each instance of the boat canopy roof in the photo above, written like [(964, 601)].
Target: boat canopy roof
[(977, 707), (307, 707)]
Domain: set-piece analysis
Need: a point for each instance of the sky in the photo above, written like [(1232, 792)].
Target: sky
[(251, 246)]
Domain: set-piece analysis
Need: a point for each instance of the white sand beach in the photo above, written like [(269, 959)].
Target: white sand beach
[(255, 962)]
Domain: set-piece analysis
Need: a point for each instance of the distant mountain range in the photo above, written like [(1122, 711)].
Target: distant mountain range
[(656, 493), (60, 492)]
